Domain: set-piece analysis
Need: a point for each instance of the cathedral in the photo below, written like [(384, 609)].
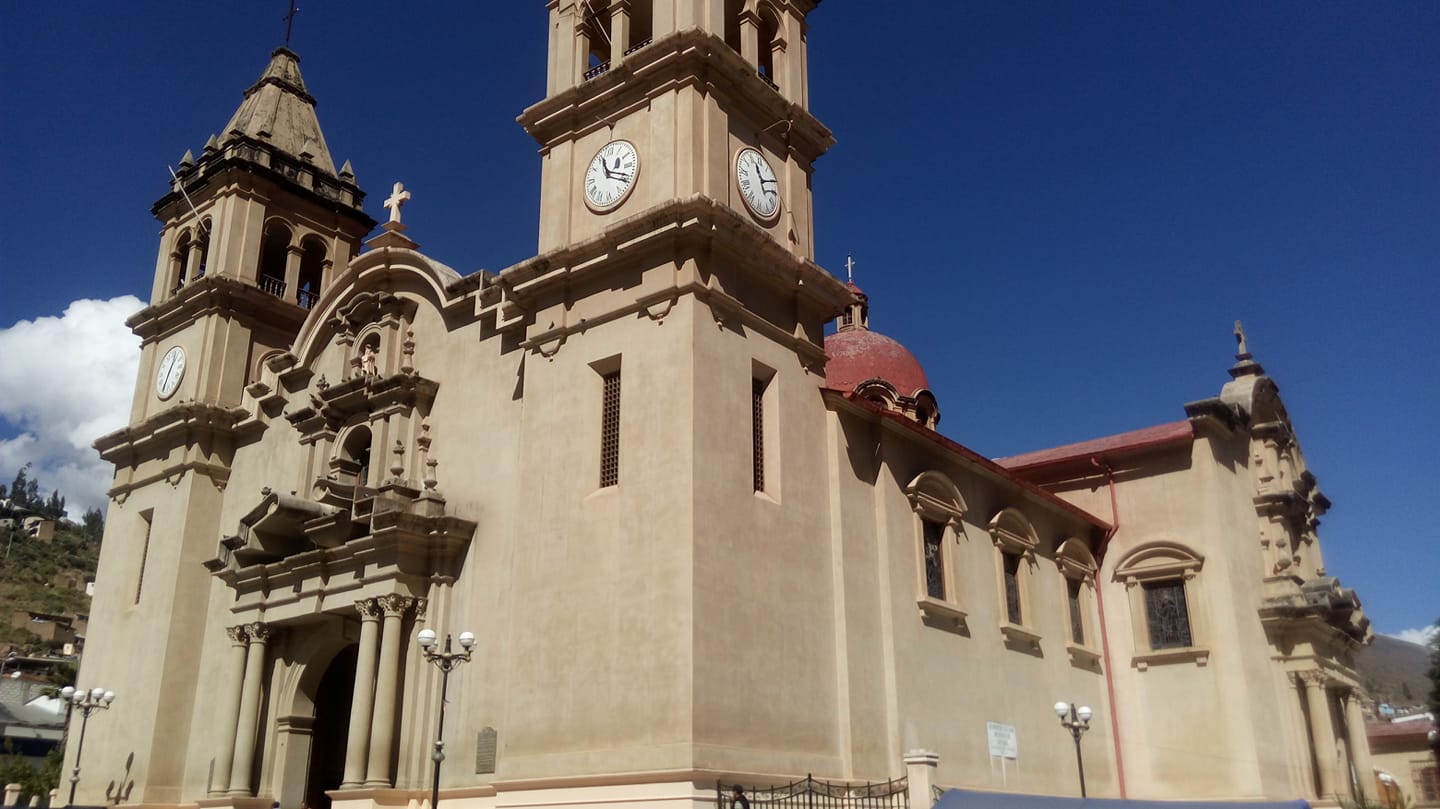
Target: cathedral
[(697, 523)]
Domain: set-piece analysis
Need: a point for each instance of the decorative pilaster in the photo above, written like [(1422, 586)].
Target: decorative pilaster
[(230, 707), (1322, 732), (1359, 747), (382, 725), (249, 716), (362, 704), (920, 766)]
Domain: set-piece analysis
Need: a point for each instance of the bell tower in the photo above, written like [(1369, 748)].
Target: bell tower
[(253, 233), (711, 95)]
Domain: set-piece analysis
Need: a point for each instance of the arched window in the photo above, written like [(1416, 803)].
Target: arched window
[(642, 24), (596, 30), (938, 508), (274, 253), (1077, 573), (1165, 609), (1015, 542), (769, 33), (733, 11), (202, 249), (178, 260), (312, 272), (352, 464)]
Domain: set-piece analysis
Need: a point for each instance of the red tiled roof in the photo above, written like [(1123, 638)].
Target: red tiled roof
[(1172, 433), (858, 355), (1398, 730)]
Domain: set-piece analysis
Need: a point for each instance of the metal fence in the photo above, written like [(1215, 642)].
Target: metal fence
[(807, 793)]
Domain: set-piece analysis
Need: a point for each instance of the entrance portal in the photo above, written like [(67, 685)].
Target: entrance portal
[(331, 730)]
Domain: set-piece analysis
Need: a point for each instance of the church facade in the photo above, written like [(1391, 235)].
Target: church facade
[(694, 537)]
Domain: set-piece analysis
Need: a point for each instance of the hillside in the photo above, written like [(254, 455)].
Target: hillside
[(1394, 672), (33, 576)]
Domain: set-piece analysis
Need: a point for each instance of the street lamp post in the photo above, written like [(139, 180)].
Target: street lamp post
[(446, 661), (1077, 721), (86, 702)]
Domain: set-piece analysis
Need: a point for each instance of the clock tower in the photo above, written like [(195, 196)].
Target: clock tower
[(253, 233)]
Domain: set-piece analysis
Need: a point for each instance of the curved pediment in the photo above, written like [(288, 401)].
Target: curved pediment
[(389, 281)]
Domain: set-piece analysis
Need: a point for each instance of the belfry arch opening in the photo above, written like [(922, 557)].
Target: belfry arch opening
[(312, 272), (769, 32), (274, 252)]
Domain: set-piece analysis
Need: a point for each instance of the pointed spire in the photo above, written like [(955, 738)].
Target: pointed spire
[(187, 160), (347, 172), (279, 110), (212, 145)]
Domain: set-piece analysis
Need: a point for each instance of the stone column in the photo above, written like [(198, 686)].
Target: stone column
[(920, 768), (362, 705), (230, 710), (619, 30), (292, 273), (1359, 747), (387, 679), (249, 717), (1322, 733), (750, 38)]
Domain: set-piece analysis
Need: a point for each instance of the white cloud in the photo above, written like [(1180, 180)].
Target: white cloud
[(65, 381), (1421, 636)]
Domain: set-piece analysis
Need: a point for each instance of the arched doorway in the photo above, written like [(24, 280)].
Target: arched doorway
[(331, 730)]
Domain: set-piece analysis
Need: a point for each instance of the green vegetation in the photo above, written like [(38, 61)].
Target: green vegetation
[(33, 571)]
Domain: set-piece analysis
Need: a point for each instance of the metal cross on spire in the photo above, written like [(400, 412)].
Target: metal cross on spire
[(850, 269), (290, 21)]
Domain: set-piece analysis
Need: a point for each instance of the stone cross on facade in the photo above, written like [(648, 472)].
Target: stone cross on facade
[(398, 197)]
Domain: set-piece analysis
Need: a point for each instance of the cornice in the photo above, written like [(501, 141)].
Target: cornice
[(689, 57), (212, 295), (698, 220)]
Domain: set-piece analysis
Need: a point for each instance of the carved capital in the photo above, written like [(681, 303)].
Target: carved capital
[(1312, 679), (368, 608), (237, 634), (258, 632), (394, 604)]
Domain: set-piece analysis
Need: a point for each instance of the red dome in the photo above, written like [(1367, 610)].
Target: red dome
[(857, 355)]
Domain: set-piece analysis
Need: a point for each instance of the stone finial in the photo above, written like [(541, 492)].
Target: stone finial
[(347, 172), (407, 349), (1241, 353), (397, 199), (188, 159), (1245, 364), (397, 468), (213, 144)]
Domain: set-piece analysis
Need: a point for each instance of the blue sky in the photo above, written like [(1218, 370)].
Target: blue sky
[(1059, 207)]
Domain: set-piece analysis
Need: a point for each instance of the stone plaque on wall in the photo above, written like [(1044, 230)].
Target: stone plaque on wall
[(485, 752)]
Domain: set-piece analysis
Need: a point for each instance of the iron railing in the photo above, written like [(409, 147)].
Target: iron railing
[(807, 793)]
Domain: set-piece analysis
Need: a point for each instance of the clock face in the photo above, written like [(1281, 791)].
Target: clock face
[(611, 175), (759, 186), (172, 370)]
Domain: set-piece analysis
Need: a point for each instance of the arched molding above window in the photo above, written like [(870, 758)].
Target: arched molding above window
[(1013, 533), (1074, 559), (1158, 560), (935, 497)]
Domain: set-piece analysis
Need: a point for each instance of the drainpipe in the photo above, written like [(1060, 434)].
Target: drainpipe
[(1104, 632)]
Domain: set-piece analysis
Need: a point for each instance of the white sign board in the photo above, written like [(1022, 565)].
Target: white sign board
[(1002, 740)]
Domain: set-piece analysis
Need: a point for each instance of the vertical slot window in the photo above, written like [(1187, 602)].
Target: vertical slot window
[(1077, 616), (1013, 612), (757, 432), (145, 519), (610, 429), (933, 539)]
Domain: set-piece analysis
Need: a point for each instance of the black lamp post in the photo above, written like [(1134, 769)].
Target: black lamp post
[(446, 661), (86, 702), (1077, 721)]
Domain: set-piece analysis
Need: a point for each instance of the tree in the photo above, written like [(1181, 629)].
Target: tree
[(1435, 689), (93, 524)]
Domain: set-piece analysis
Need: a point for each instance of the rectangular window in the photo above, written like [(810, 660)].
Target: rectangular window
[(757, 432), (610, 429), (1012, 589), (934, 540), (1167, 615), (1427, 780), (145, 517), (1077, 618)]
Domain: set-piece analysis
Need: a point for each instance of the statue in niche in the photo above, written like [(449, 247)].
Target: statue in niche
[(368, 357)]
